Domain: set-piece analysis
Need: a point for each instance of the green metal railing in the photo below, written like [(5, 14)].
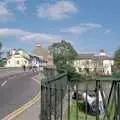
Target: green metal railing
[(57, 102)]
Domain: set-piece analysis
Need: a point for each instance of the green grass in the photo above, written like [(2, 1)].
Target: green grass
[(111, 111), (81, 113)]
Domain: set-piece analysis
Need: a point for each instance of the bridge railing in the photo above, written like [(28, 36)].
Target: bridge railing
[(93, 99)]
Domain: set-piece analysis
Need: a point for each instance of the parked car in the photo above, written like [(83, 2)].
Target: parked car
[(91, 101)]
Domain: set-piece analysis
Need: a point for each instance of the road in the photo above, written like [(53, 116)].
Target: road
[(15, 91), (9, 71)]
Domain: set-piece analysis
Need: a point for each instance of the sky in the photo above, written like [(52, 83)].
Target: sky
[(89, 25)]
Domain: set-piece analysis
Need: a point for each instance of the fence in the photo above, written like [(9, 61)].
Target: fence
[(63, 100)]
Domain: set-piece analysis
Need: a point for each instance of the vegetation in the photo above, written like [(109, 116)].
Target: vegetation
[(117, 58), (81, 113), (116, 67), (64, 55), (0, 48), (8, 53), (0, 45), (2, 63)]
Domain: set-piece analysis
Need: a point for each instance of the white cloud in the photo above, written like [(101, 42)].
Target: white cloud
[(57, 11), (15, 1), (107, 31), (5, 13), (12, 32), (21, 8), (29, 36), (20, 4), (82, 28)]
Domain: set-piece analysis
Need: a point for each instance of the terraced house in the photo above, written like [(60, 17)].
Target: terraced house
[(90, 62)]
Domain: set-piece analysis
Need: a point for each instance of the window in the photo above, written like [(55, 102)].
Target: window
[(87, 62), (80, 70), (25, 62), (9, 61), (18, 62), (86, 70)]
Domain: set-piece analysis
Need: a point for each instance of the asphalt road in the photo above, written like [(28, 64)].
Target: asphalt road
[(15, 91), (10, 71)]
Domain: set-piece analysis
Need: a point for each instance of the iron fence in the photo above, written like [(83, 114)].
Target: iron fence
[(62, 100)]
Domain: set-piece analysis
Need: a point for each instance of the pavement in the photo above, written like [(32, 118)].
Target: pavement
[(15, 91)]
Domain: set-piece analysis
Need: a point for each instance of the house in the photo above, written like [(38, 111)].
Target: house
[(45, 54), (37, 61), (18, 58), (90, 62)]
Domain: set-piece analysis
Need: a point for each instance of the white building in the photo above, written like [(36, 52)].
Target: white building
[(101, 63), (18, 58)]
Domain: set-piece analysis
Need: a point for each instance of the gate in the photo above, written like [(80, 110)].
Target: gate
[(64, 100)]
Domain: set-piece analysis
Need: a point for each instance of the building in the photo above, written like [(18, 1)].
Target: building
[(44, 54), (90, 62), (18, 58), (37, 61)]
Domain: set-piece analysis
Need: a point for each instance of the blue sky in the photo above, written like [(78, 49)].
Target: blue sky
[(88, 24)]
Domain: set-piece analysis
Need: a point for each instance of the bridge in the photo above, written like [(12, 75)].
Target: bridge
[(58, 100)]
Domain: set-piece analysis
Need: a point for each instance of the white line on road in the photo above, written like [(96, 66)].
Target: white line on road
[(3, 83)]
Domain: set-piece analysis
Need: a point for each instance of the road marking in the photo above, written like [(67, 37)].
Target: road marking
[(3, 83), (23, 108), (36, 80)]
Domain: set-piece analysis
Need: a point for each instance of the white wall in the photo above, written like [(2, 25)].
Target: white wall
[(12, 62), (107, 64)]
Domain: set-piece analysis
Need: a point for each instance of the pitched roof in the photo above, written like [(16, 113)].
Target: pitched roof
[(93, 56), (103, 58), (86, 56)]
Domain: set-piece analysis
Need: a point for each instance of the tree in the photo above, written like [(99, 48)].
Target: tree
[(116, 67), (8, 53), (0, 48), (63, 53), (0, 45), (117, 58)]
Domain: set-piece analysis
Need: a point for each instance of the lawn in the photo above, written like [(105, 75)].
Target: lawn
[(82, 115)]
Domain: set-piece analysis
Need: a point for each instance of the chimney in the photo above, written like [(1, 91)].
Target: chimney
[(102, 52)]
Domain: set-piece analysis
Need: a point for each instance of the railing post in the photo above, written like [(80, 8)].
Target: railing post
[(42, 115), (118, 117), (86, 108), (104, 102), (68, 101), (61, 103), (110, 94), (55, 109), (77, 101), (97, 99), (50, 103), (109, 97), (47, 100), (115, 99)]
